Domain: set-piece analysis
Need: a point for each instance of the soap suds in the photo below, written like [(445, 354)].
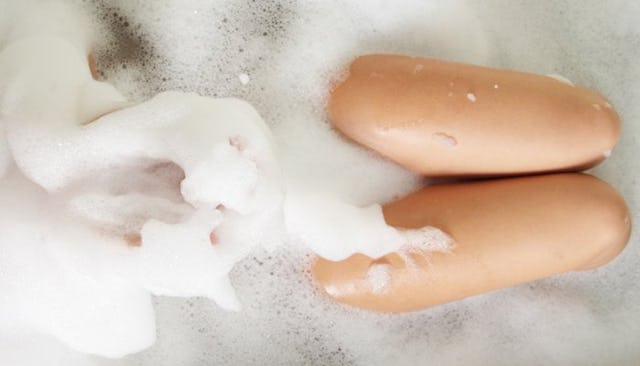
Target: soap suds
[(379, 277), (421, 242), (159, 197), (244, 79), (194, 46), (163, 171)]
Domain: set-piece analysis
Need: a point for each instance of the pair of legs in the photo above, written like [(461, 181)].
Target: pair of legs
[(446, 119)]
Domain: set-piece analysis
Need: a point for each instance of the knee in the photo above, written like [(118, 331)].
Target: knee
[(611, 227)]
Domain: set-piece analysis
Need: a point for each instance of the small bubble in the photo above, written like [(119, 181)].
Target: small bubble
[(244, 79)]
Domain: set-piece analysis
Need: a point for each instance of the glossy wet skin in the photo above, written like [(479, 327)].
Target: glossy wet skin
[(446, 119)]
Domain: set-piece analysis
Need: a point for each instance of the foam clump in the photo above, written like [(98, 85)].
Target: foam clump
[(335, 229), (379, 277), (66, 280), (166, 176), (116, 201)]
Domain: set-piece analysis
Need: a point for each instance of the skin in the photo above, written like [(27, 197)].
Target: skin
[(506, 231), (92, 66), (420, 113)]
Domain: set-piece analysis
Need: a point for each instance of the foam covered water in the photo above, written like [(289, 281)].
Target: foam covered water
[(291, 51), (162, 197)]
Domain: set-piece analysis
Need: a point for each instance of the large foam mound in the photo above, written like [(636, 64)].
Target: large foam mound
[(119, 200), (165, 196)]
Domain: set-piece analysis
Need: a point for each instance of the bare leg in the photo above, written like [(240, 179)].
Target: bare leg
[(445, 119), (506, 231)]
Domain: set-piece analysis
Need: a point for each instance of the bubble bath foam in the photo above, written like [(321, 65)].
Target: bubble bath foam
[(199, 174)]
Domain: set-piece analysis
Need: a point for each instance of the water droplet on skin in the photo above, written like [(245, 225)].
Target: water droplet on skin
[(495, 86), (471, 97), (597, 107), (418, 68), (444, 139)]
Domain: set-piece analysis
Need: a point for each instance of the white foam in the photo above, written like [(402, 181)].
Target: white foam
[(113, 173), (379, 277), (244, 78), (5, 156), (171, 193), (335, 229), (27, 18), (62, 279)]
